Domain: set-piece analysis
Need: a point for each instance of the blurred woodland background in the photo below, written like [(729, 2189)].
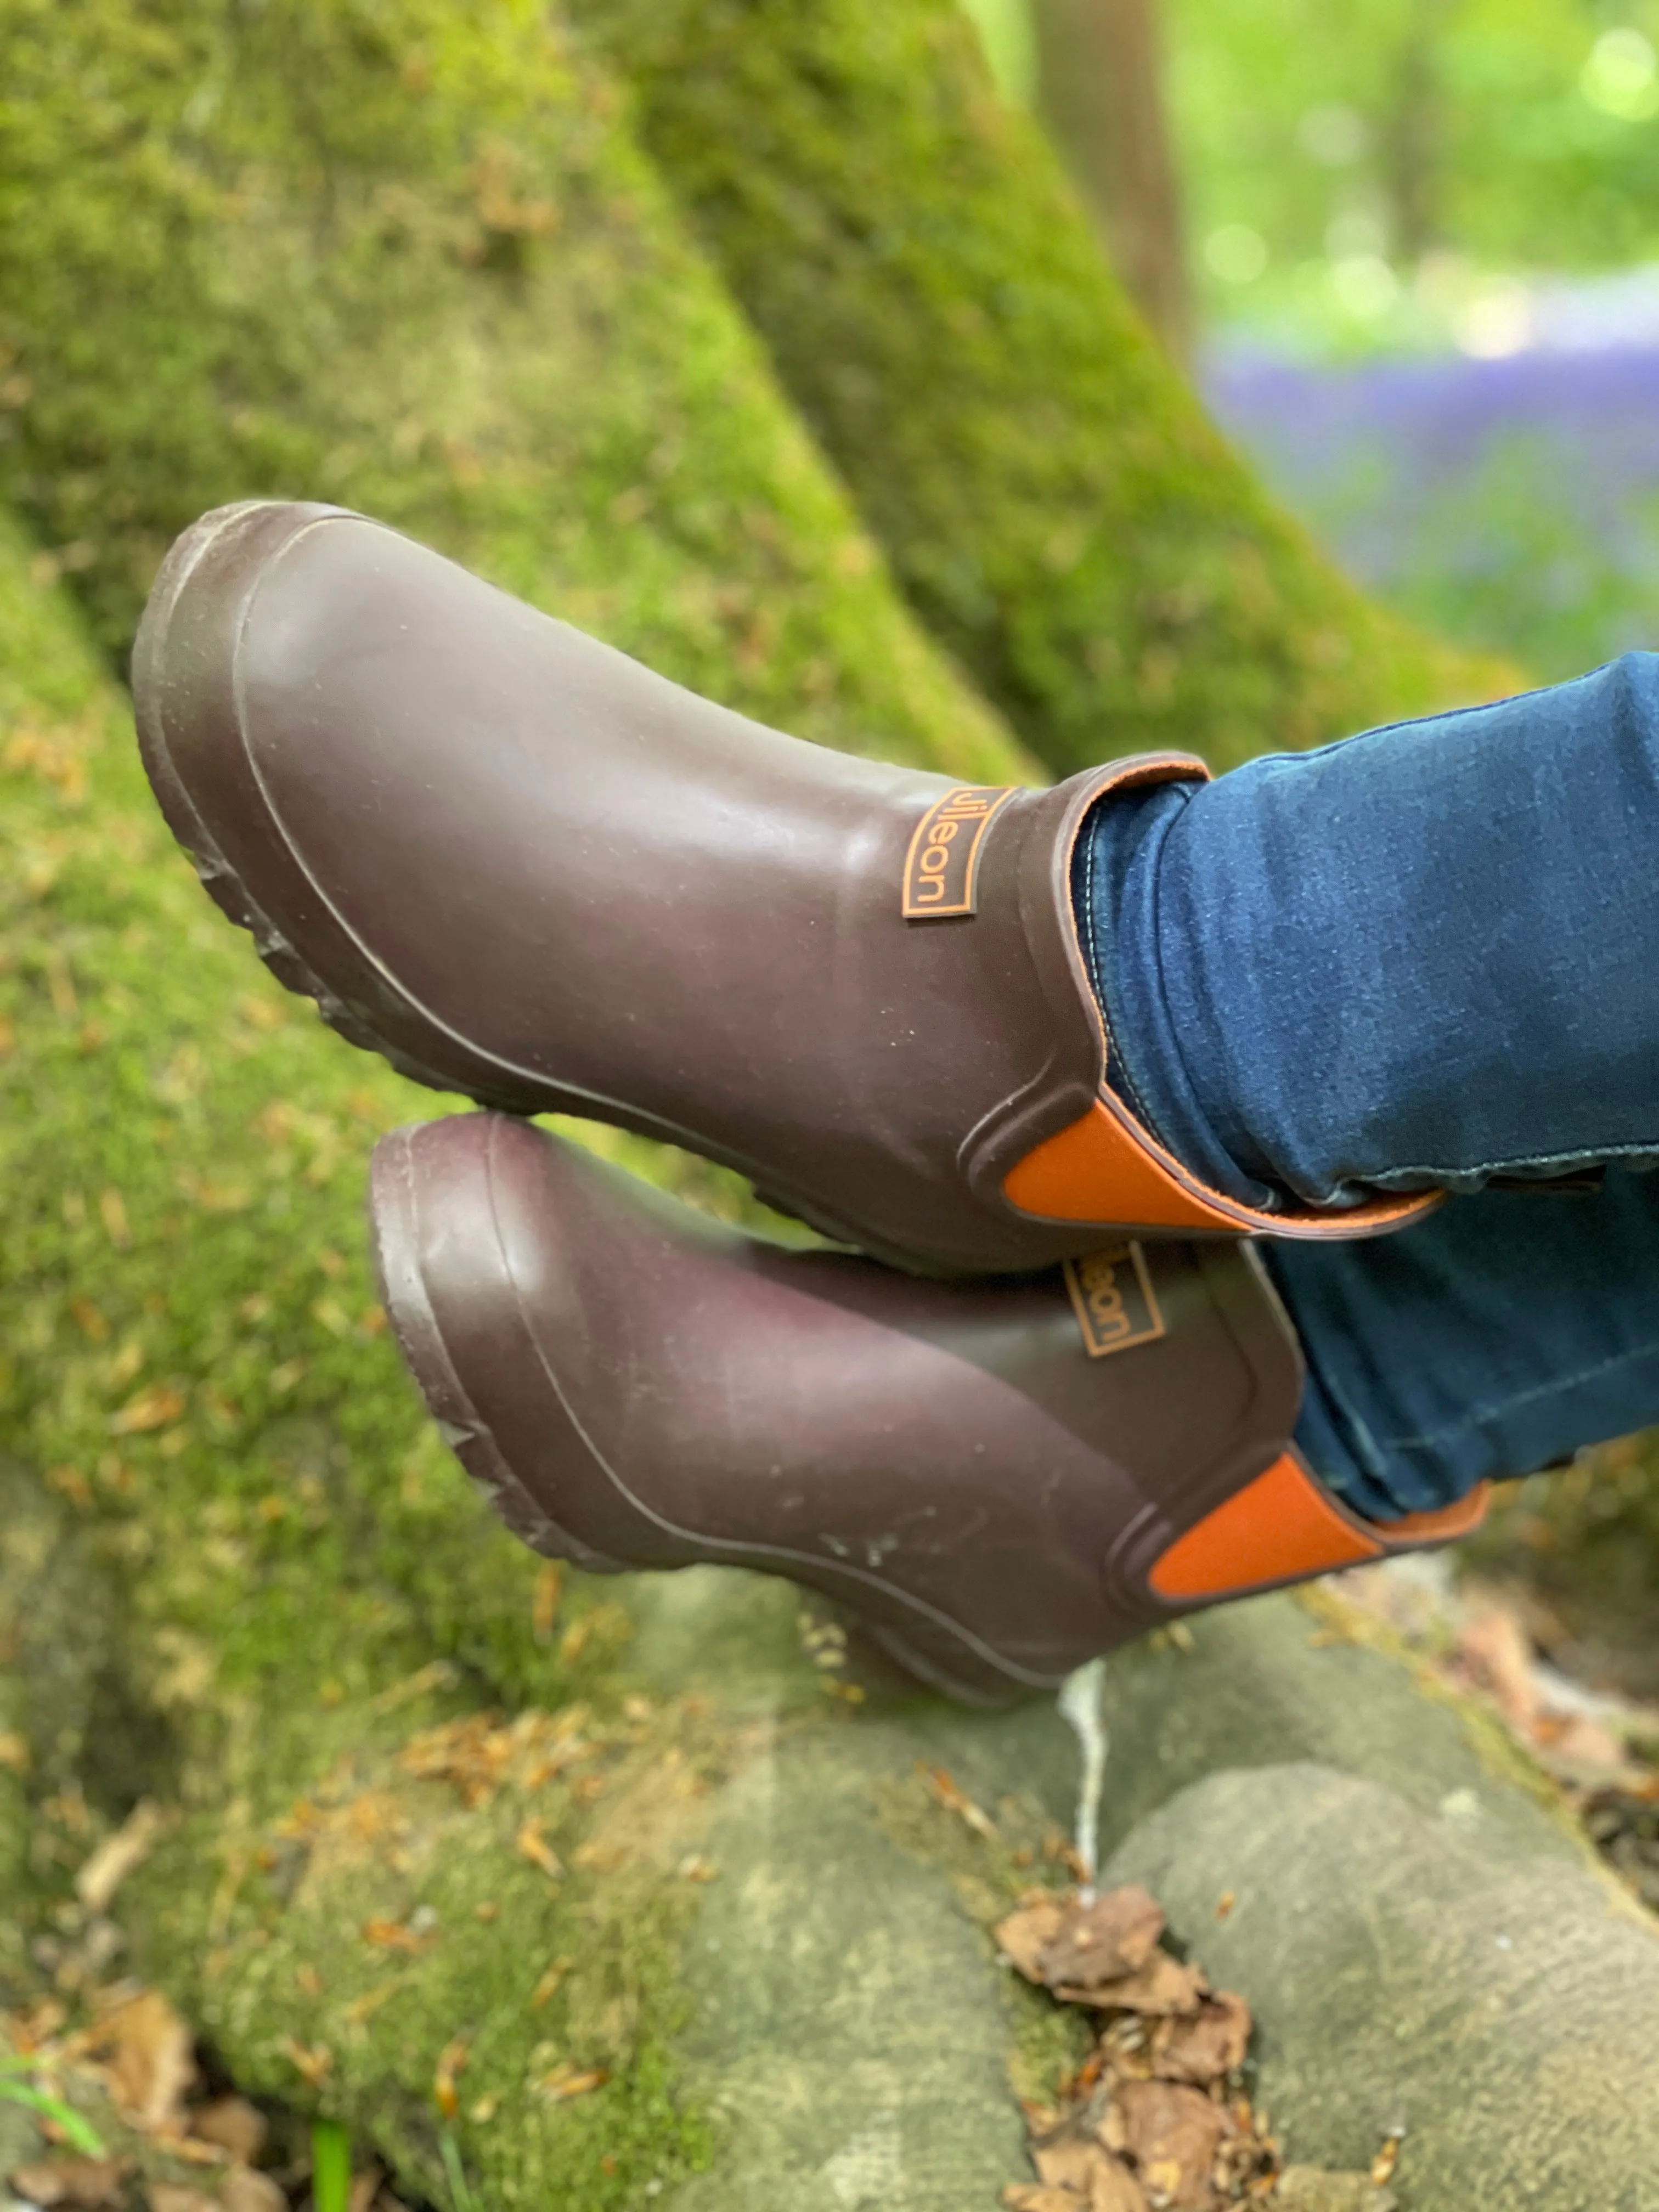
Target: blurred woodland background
[(793, 349), (1412, 252)]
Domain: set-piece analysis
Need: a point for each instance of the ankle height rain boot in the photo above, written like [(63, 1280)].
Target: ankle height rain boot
[(525, 868), (1001, 1479)]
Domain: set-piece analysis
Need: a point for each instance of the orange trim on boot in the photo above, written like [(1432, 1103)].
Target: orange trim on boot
[(1442, 1527), (1105, 1168), (1286, 1527)]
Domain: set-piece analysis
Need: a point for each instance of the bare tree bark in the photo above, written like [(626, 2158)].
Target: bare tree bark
[(1100, 86)]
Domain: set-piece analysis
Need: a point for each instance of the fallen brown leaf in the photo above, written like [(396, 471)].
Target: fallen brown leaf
[(1032, 2197), (544, 1602), (1173, 2134), (313, 2066), (231, 2124), (1162, 1986), (451, 2059), (1114, 2189), (533, 1845), (1092, 2175), (102, 1874), (552, 1975), (1068, 2162), (245, 2190), (151, 2059), (1025, 1934), (393, 1936), (1387, 2159), (365, 2188), (152, 1408), (945, 1791), (1204, 2048), (1497, 1652), (89, 2184), (567, 2082), (1102, 1941)]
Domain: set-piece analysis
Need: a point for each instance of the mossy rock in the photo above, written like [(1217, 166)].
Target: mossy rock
[(407, 258), (1053, 498), (1422, 1975)]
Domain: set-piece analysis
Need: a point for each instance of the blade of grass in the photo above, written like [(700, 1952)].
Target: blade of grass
[(461, 2198), (75, 2130), (331, 2166)]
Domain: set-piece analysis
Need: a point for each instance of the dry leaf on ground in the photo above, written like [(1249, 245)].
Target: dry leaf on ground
[(231, 2124), (1114, 2189), (1082, 1946), (118, 1855), (245, 2190), (1162, 1986), (1206, 2047), (1103, 1940), (86, 2184), (1172, 2134), (1090, 2173), (1025, 1934), (151, 2057)]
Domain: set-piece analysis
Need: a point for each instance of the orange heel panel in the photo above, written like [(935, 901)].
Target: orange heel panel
[(1097, 1171), (1278, 1529), (1104, 1168), (1285, 1527)]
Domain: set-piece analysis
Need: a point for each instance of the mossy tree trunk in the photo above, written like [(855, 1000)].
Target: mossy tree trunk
[(407, 258), (1053, 498)]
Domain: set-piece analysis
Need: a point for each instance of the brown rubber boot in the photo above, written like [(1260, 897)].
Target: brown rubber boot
[(525, 868), (1001, 1479)]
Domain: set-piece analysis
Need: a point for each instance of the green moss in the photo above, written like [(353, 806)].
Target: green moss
[(988, 1874), (251, 1565), (387, 1950), (406, 257), (1053, 499)]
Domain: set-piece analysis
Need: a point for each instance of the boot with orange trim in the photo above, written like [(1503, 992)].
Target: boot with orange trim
[(525, 868), (1001, 1478)]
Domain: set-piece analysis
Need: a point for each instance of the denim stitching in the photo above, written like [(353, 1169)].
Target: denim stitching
[(1591, 1157), (1436, 1438)]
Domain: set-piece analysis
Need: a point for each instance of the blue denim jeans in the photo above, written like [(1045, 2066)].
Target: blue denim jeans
[(1423, 958)]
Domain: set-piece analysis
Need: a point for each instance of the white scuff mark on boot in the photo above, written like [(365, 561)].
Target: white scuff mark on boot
[(1079, 1707)]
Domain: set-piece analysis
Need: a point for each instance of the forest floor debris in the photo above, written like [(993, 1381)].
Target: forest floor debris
[(1158, 2117), (132, 2118), (1493, 1641)]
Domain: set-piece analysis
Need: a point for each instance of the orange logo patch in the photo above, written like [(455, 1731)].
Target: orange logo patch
[(1113, 1298), (942, 866)]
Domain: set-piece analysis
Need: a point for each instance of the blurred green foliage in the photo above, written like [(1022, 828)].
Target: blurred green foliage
[(1329, 155), (1514, 133)]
